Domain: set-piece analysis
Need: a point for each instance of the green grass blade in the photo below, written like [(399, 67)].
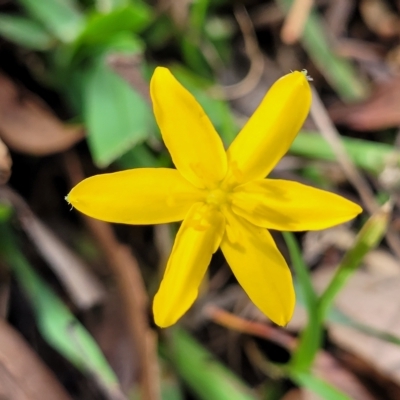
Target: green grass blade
[(370, 156), (339, 72), (302, 273), (338, 317), (204, 375), (367, 239), (100, 27), (56, 323), (25, 32), (311, 337), (318, 386), (61, 17), (217, 110)]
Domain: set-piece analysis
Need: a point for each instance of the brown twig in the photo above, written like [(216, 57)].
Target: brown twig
[(295, 21), (255, 55), (325, 366), (84, 289), (332, 136), (132, 289), (233, 322)]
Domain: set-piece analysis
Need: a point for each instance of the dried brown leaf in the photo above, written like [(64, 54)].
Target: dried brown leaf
[(27, 125), (380, 111), (5, 163), (22, 374), (379, 17), (83, 287), (369, 298)]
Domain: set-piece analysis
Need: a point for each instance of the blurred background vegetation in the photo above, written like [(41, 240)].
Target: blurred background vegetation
[(75, 294)]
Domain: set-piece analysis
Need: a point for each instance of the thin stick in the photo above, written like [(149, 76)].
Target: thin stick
[(132, 289), (295, 21), (332, 136), (257, 63)]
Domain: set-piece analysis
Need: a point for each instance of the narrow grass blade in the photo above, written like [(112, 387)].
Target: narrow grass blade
[(204, 375), (302, 273), (25, 32), (368, 238), (62, 17), (56, 323), (318, 386), (338, 71), (370, 156)]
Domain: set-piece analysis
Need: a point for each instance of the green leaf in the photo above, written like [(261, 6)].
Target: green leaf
[(56, 323), (217, 110), (203, 374), (194, 56), (302, 272), (6, 211), (318, 386), (311, 337), (101, 26), (25, 32), (109, 5), (338, 71), (117, 117), (61, 17), (367, 239), (371, 156)]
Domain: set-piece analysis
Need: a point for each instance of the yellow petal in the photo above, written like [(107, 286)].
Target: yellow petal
[(136, 196), (291, 206), (196, 149), (270, 131), (198, 238), (259, 268)]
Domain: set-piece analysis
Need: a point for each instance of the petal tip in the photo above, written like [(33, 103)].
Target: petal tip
[(161, 319)]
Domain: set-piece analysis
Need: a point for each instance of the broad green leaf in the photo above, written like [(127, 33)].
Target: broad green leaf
[(61, 17), (318, 386), (25, 32), (218, 110), (101, 26), (56, 323), (116, 116)]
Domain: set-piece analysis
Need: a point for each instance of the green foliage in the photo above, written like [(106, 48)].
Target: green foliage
[(370, 156), (218, 110), (100, 27), (25, 32), (311, 337), (204, 375), (79, 42), (318, 386), (61, 17), (56, 323), (339, 72), (117, 117)]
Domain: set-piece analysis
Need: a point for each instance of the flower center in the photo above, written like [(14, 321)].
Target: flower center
[(217, 197)]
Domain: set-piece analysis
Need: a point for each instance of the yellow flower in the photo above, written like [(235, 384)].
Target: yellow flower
[(222, 197)]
